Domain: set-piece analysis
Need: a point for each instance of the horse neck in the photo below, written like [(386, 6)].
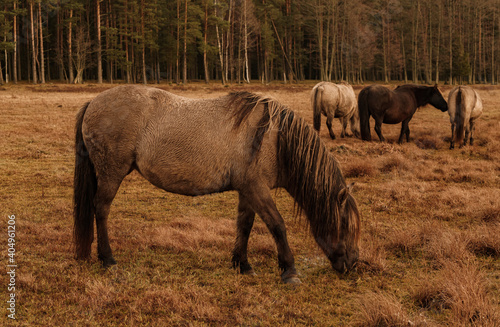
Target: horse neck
[(421, 95), (311, 175)]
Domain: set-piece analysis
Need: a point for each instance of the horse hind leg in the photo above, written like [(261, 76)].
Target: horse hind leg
[(244, 224), (106, 192), (472, 129), (378, 129), (405, 131), (329, 120), (452, 141), (343, 121)]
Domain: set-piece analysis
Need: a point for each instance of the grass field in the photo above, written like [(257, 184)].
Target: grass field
[(430, 245)]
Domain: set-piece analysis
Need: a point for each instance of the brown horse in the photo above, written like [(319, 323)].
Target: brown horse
[(335, 101), (394, 107), (241, 142), (465, 106)]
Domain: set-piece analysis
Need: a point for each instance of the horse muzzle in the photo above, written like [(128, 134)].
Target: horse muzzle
[(345, 263)]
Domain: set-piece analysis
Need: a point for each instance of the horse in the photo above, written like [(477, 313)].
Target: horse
[(335, 101), (241, 141), (465, 106), (393, 107)]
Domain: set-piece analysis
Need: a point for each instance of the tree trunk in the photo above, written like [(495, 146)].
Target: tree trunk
[(14, 60), (220, 45), (205, 45), (228, 41), (70, 53), (415, 44), (438, 45), (99, 46), (246, 76), (42, 59), (451, 43), (143, 48), (404, 57), (384, 46), (33, 44), (177, 63), (184, 65), (493, 50)]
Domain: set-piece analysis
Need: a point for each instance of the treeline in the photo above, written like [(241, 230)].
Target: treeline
[(235, 41)]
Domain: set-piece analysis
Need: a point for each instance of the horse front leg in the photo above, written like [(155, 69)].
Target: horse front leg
[(259, 197), (244, 226)]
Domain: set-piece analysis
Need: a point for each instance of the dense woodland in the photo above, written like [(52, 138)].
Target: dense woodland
[(235, 41)]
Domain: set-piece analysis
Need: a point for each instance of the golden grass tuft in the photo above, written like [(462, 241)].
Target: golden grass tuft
[(99, 294), (359, 168), (381, 309), (485, 240), (395, 162), (192, 234), (462, 289), (372, 258)]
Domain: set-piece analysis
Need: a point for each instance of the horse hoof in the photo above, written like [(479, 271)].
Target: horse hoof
[(108, 262), (249, 272), (292, 280)]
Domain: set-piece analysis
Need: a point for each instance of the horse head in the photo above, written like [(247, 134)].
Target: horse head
[(343, 249), (436, 99)]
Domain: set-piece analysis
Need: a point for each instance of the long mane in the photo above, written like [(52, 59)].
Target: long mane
[(311, 174)]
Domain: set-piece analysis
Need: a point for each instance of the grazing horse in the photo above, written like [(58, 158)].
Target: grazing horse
[(465, 106), (335, 101), (393, 107), (241, 142)]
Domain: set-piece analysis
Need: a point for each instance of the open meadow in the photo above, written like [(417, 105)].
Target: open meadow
[(430, 244)]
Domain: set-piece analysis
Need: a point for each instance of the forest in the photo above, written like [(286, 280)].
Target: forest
[(238, 41)]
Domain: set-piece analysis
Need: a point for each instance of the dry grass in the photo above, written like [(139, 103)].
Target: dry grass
[(460, 288), (430, 251)]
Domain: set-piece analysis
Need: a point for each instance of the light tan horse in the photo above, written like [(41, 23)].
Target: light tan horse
[(464, 107), (241, 142), (335, 101)]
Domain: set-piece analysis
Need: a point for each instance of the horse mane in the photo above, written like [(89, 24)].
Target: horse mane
[(422, 92), (311, 174)]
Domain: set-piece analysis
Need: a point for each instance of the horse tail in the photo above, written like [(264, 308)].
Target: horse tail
[(364, 115), (85, 187), (460, 116), (316, 104)]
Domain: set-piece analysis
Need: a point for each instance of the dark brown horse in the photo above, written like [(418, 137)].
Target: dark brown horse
[(394, 107), (240, 142)]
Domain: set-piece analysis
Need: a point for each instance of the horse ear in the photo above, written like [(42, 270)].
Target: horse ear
[(435, 86), (343, 194)]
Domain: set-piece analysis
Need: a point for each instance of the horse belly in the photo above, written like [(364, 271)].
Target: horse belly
[(393, 116), (186, 177), (190, 164)]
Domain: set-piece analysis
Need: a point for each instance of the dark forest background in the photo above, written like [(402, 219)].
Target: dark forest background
[(235, 41)]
